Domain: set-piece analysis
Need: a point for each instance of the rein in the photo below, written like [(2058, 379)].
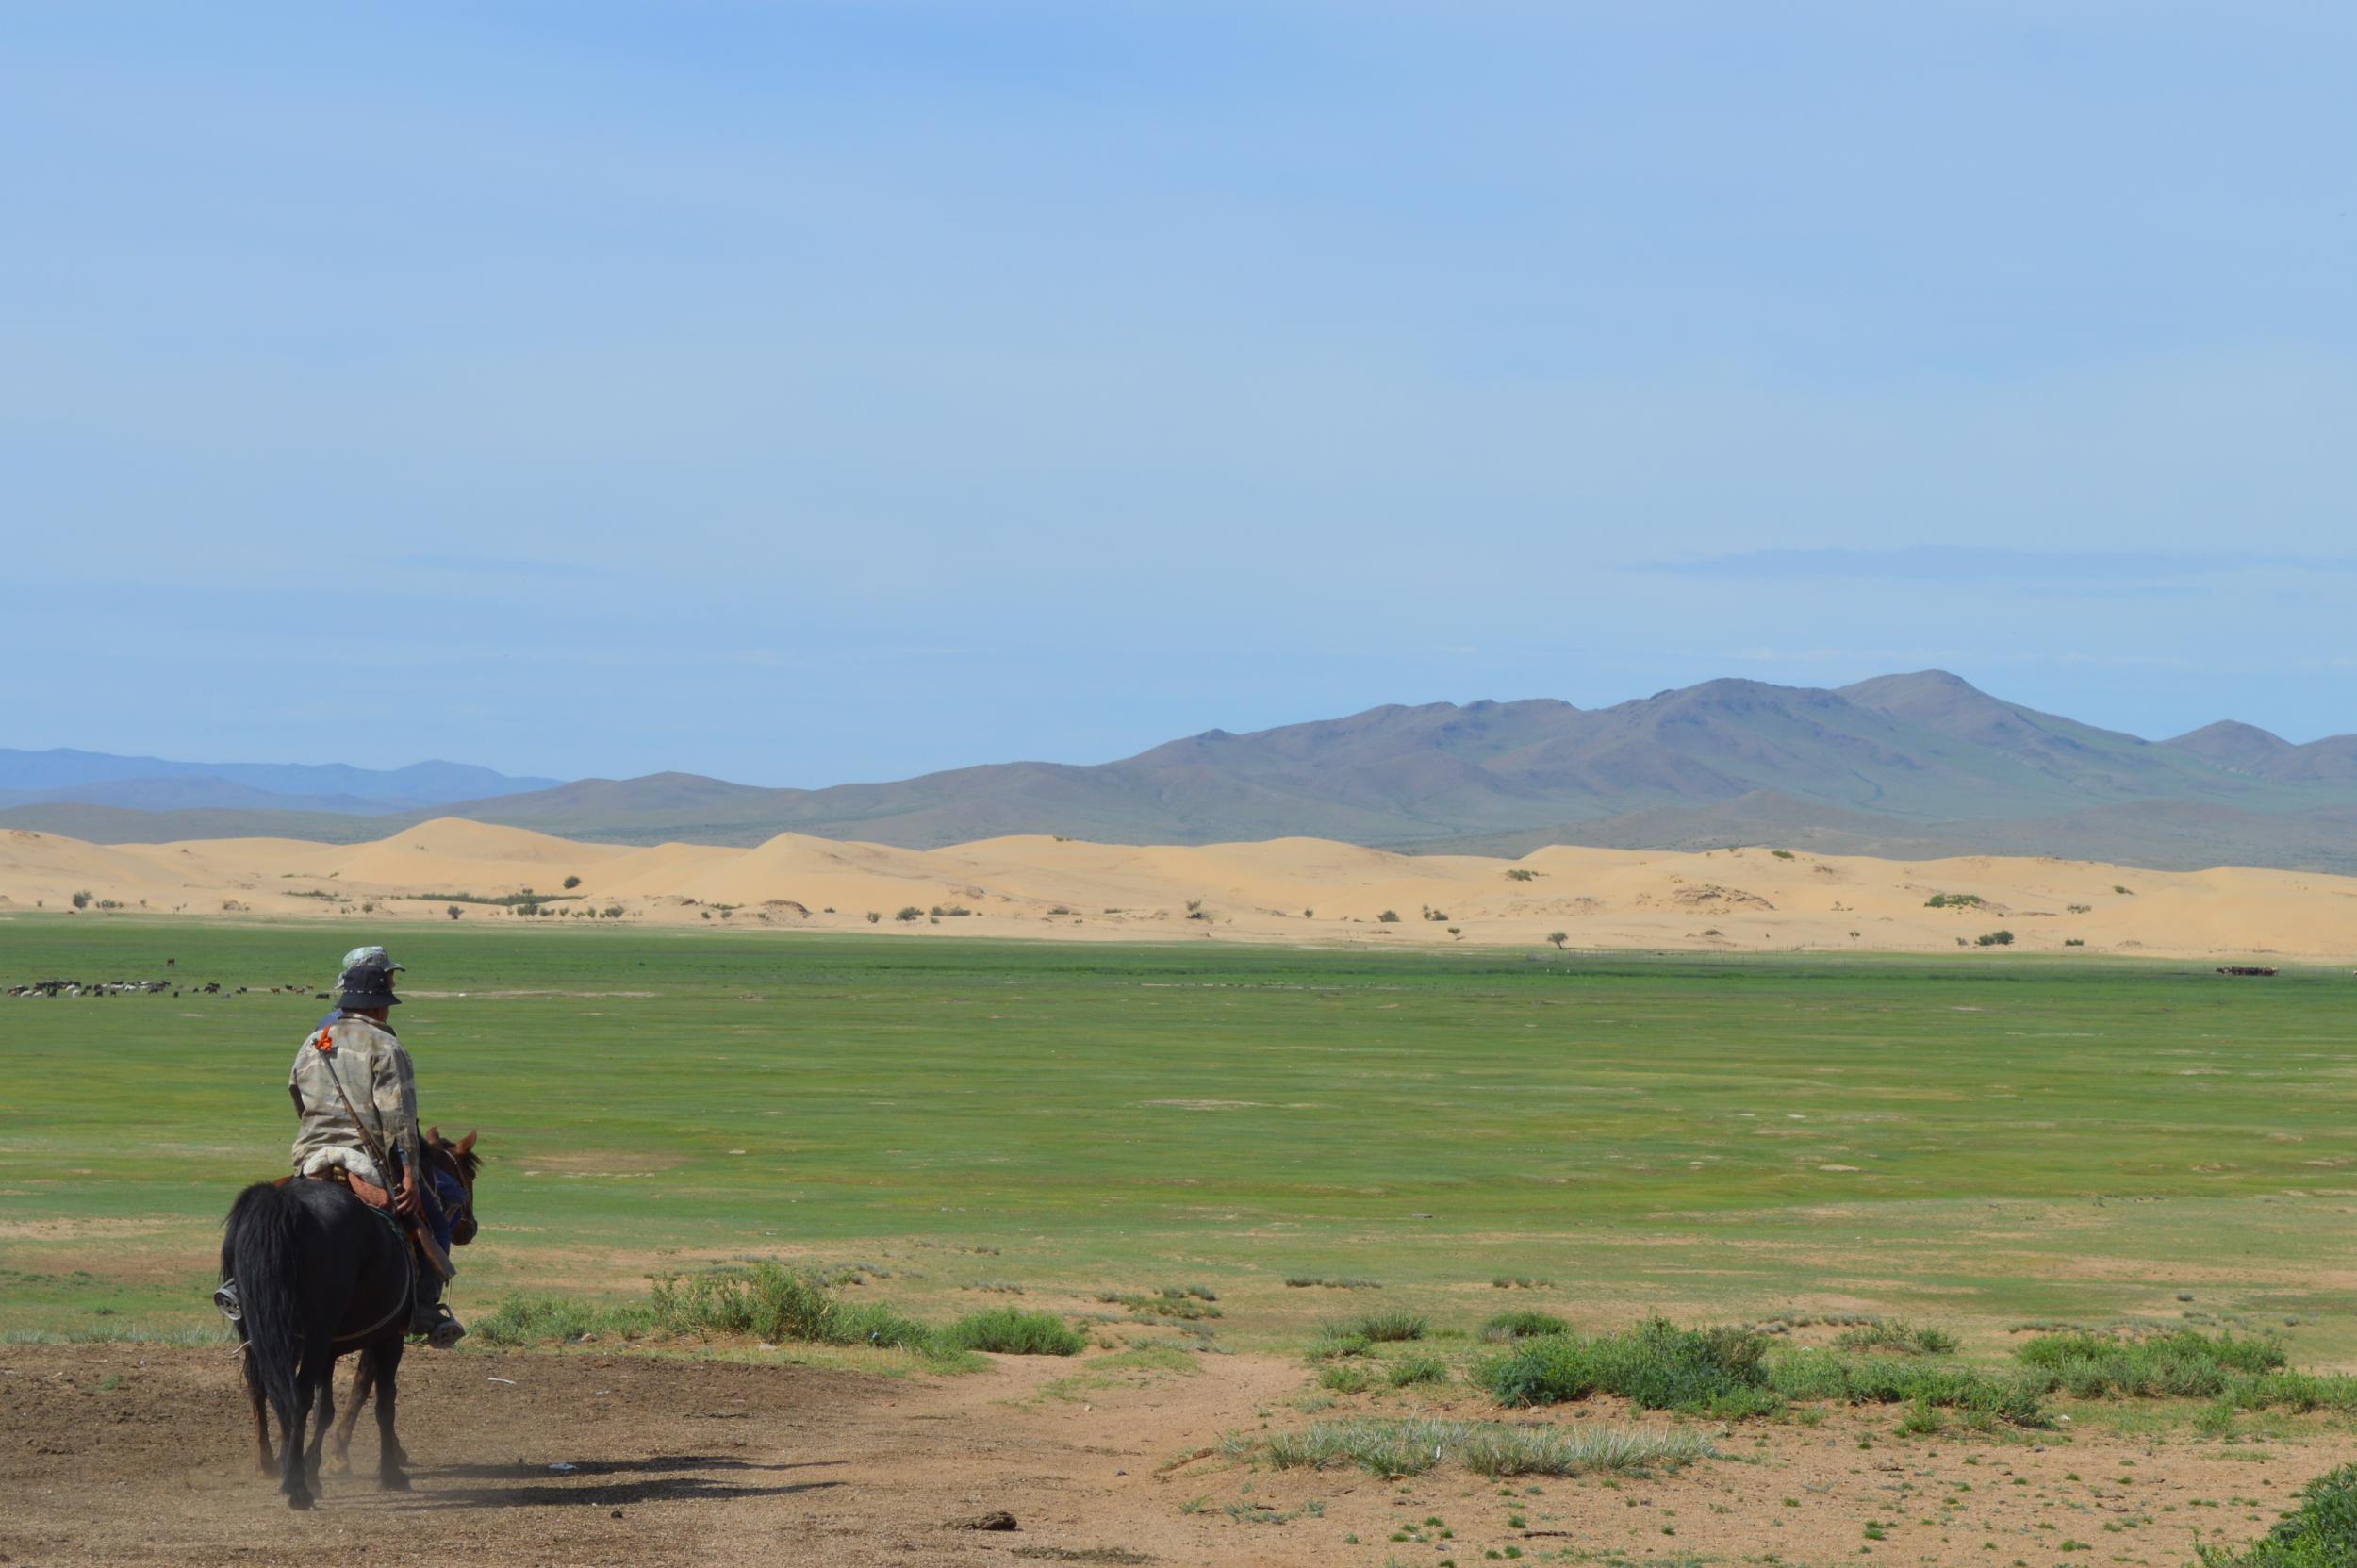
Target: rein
[(400, 1303)]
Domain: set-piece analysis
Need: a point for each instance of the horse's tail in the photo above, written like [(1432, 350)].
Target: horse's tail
[(260, 1251)]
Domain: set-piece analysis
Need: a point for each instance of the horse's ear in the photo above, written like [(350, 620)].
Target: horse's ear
[(465, 1144), (433, 1133)]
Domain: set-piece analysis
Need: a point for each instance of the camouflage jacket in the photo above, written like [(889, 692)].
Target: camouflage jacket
[(373, 1066)]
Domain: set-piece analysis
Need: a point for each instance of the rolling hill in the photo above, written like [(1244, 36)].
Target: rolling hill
[(1906, 765)]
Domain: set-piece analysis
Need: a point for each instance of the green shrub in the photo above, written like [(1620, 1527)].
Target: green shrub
[(2184, 1364), (1493, 1449), (1010, 1332), (1388, 918), (1821, 1375), (1902, 1339), (909, 913), (1421, 1367), (1993, 939), (863, 1323), (1346, 1378), (1334, 1344), (2321, 1533), (546, 1319), (1186, 1306), (1922, 1420), (1523, 1324), (2243, 1355), (1391, 1327), (1656, 1366), (2295, 1391), (774, 1303), (1735, 1404), (571, 882)]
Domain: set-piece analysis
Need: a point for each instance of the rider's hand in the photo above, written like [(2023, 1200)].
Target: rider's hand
[(405, 1201)]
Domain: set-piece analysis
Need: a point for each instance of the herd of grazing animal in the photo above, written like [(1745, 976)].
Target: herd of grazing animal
[(150, 988)]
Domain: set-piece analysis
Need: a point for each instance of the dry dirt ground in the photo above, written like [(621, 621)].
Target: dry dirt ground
[(140, 1453)]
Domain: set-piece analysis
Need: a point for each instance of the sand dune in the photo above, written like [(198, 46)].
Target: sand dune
[(1284, 890)]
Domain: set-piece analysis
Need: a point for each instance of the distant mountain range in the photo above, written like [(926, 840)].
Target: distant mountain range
[(1908, 766), (153, 784)]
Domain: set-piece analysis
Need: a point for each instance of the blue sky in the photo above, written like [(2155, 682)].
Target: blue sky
[(810, 392)]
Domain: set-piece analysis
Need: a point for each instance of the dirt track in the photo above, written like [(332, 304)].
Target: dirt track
[(129, 1454)]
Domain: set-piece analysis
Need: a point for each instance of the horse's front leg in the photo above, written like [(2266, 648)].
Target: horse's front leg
[(390, 1458), (339, 1443)]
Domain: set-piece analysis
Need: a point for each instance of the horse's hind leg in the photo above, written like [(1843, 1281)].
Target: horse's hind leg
[(263, 1458), (322, 1419), (292, 1417), (340, 1444), (390, 1459), (315, 1407)]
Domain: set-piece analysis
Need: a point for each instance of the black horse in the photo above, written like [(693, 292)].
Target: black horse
[(320, 1275)]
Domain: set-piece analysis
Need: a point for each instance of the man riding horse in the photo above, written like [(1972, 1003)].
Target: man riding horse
[(356, 1099)]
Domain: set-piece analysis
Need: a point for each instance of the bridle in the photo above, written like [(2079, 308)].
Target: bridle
[(462, 1221)]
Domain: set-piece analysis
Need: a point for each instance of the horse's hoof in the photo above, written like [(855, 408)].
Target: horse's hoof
[(298, 1499), (393, 1480), (337, 1465)]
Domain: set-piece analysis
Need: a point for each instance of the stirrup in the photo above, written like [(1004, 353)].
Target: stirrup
[(442, 1329), (225, 1297)]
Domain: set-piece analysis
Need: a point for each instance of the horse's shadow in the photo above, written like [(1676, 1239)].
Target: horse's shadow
[(663, 1477)]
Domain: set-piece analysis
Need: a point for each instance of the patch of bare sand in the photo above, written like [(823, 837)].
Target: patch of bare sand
[(1284, 890), (137, 1455)]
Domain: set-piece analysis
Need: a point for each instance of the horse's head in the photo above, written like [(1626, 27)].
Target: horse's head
[(460, 1160)]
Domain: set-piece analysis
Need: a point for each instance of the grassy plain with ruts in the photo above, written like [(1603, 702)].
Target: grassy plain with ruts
[(1977, 1144)]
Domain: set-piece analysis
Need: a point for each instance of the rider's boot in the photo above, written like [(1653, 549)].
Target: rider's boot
[(430, 1318)]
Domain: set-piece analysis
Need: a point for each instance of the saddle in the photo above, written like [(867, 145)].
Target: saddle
[(367, 1191), (350, 1168)]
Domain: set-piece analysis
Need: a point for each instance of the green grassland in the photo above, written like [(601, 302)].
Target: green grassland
[(1977, 1142)]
